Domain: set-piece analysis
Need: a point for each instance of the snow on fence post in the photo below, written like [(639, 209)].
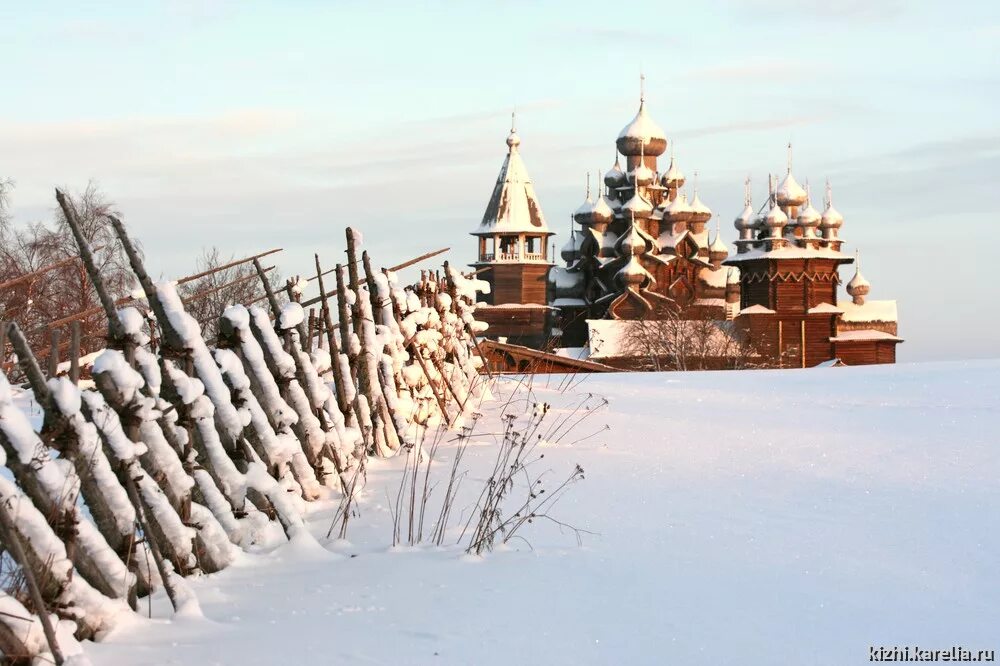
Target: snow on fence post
[(65, 429), (123, 429), (166, 486), (214, 426), (44, 553), (409, 329), (386, 348), (23, 634), (349, 347), (334, 446), (285, 449), (336, 368), (53, 486), (364, 329), (162, 526)]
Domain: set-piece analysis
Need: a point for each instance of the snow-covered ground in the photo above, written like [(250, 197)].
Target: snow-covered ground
[(769, 517)]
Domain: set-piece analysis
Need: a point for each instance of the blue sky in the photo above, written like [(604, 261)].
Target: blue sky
[(250, 125)]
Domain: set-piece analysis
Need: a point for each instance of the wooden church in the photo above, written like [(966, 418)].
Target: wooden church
[(641, 249)]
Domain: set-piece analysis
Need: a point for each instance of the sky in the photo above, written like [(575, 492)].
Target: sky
[(252, 125)]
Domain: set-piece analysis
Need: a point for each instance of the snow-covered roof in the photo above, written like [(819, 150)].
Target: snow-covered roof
[(642, 134), (602, 210), (776, 217), (713, 278), (513, 306), (825, 308), (791, 252), (745, 219), (513, 206), (638, 205), (756, 309), (673, 175), (699, 208), (678, 208), (858, 282), (870, 311), (867, 334), (568, 302), (718, 245), (579, 353), (790, 192)]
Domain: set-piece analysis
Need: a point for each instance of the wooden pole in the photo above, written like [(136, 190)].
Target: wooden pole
[(268, 290), (115, 327), (141, 509), (13, 541), (3, 342), (29, 366), (310, 329), (255, 257), (74, 353), (213, 290), (13, 282), (331, 342), (54, 354)]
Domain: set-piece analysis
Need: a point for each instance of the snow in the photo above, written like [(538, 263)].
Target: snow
[(870, 311), (790, 252), (867, 334), (569, 303), (513, 207), (292, 315), (713, 277), (717, 534), (643, 127), (756, 309), (790, 190), (825, 308)]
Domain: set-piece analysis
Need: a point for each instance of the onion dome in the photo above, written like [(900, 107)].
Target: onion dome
[(673, 177), (615, 177), (776, 221), (632, 243), (699, 211), (745, 220), (602, 212), (718, 246), (570, 252), (642, 175), (832, 219), (584, 215), (513, 140), (858, 287), (790, 193), (733, 276), (632, 274), (809, 218), (677, 210), (637, 206), (642, 135)]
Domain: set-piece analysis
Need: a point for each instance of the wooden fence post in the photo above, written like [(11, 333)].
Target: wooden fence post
[(74, 352)]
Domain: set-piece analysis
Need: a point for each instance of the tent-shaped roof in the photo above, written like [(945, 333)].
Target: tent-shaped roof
[(513, 206)]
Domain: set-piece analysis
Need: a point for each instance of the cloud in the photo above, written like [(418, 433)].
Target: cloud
[(841, 11), (750, 125), (766, 69)]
